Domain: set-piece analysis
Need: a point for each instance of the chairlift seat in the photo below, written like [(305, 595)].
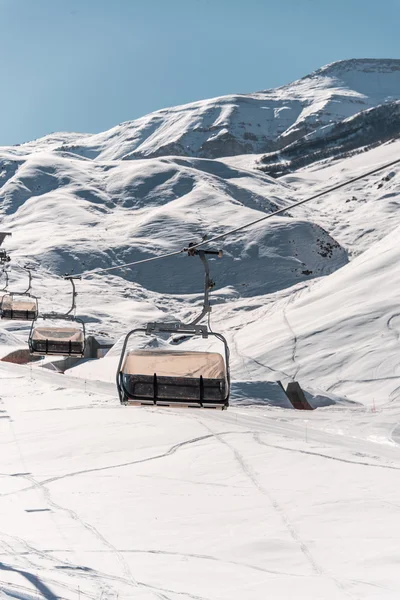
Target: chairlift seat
[(64, 341), (19, 309), (170, 378)]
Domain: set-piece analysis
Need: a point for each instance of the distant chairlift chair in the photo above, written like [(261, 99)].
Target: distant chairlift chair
[(19, 306), (173, 378), (59, 341)]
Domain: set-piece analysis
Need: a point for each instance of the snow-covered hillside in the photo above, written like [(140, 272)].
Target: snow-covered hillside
[(100, 501), (105, 214)]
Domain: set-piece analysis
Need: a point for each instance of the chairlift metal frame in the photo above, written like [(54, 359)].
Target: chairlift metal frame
[(190, 330), (37, 348), (4, 257)]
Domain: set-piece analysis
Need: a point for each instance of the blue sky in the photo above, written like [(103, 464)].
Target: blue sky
[(86, 65)]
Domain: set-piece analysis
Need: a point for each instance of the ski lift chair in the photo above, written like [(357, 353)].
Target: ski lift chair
[(19, 306), (173, 378), (56, 340)]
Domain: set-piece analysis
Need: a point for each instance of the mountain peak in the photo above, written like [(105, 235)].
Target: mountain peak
[(365, 65)]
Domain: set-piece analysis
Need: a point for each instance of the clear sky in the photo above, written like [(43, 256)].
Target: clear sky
[(86, 65)]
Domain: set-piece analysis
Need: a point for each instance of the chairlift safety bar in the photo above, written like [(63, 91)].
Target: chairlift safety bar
[(176, 327)]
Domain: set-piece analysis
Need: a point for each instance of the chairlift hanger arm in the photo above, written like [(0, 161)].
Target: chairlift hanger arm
[(67, 316), (26, 292), (122, 356), (208, 282), (71, 278), (28, 289)]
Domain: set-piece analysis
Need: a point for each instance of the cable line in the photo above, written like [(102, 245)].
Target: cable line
[(281, 210), (136, 262), (232, 231)]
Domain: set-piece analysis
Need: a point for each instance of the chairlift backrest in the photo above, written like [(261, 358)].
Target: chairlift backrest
[(57, 341), (175, 363), (58, 333)]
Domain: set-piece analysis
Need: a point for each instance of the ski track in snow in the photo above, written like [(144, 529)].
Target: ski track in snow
[(228, 438), (249, 472), (294, 349), (169, 452)]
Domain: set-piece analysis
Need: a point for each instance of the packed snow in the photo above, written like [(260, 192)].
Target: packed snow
[(99, 500)]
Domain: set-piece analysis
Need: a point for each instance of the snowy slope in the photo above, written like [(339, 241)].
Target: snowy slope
[(99, 501), (337, 334), (360, 214), (330, 333), (340, 334), (105, 214), (68, 212)]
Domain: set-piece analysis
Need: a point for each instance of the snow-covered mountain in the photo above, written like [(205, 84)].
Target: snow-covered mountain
[(366, 129), (247, 123)]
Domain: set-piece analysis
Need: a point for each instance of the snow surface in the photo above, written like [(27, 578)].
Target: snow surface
[(103, 501), (259, 501)]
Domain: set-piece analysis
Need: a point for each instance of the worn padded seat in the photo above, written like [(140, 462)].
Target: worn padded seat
[(164, 377), (65, 341), (21, 310)]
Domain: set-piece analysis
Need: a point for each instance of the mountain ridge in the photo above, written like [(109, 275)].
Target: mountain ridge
[(259, 122)]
